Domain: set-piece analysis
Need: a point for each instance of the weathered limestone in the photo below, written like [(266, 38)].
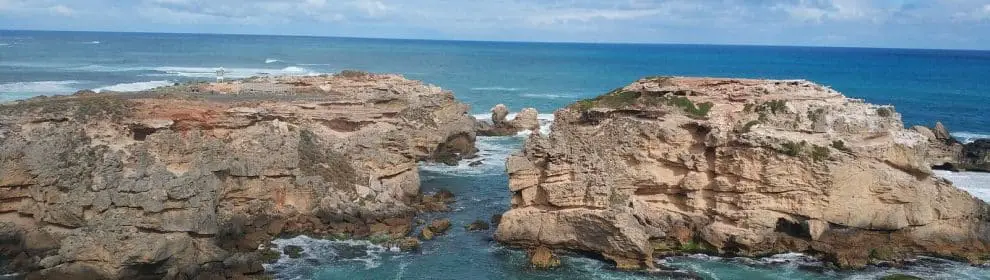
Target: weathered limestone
[(732, 166), (527, 119), (187, 181)]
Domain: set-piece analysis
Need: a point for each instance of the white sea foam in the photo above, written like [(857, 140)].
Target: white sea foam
[(968, 137), (496, 89), (4, 44), (139, 86), (493, 151), (271, 60), (92, 43), (320, 252), (547, 95), (41, 87), (209, 72), (977, 184)]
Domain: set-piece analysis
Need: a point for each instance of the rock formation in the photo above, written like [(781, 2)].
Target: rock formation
[(736, 167), (186, 181), (945, 152), (527, 119)]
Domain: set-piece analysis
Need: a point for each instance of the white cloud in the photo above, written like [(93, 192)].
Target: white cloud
[(62, 10)]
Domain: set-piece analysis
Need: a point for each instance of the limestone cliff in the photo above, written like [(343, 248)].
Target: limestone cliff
[(186, 181), (736, 167)]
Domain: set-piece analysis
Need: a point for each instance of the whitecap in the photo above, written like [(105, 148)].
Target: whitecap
[(92, 43), (969, 137), (41, 87), (4, 44), (496, 89), (271, 60), (138, 86), (320, 252), (977, 184), (547, 95), (209, 72)]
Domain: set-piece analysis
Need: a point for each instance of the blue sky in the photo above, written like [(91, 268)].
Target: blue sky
[(957, 24)]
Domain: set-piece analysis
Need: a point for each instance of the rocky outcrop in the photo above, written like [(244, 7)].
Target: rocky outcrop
[(527, 119), (187, 181), (945, 152), (672, 165)]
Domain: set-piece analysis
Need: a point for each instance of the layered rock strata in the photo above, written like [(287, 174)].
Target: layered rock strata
[(737, 167), (186, 181)]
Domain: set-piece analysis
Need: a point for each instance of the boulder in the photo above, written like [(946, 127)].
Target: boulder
[(527, 119), (499, 112), (478, 225), (543, 258), (439, 226)]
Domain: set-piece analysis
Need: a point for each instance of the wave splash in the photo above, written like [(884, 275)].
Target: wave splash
[(271, 60), (138, 86), (493, 151), (321, 253), (969, 137), (40, 87)]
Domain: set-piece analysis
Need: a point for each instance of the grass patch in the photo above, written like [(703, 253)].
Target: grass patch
[(693, 110), (819, 153), (885, 112), (695, 247), (840, 145), (792, 148), (773, 106)]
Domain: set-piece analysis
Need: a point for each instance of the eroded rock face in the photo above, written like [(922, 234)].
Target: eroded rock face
[(527, 119), (187, 181), (742, 167)]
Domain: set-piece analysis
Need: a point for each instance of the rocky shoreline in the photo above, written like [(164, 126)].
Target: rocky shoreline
[(188, 181), (671, 165), (193, 181)]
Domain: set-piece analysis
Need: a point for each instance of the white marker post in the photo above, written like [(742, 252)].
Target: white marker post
[(220, 73)]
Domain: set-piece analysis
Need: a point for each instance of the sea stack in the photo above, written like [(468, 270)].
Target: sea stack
[(186, 181), (740, 167)]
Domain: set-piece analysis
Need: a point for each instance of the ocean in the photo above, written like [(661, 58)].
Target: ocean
[(925, 86)]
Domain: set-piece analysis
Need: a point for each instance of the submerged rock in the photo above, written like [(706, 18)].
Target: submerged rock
[(180, 178), (542, 257), (739, 167), (439, 226), (478, 225), (293, 251)]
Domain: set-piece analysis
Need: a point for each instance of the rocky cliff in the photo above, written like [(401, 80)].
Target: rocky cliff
[(186, 181), (673, 165)]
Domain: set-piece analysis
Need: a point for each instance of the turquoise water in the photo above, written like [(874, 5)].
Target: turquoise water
[(924, 85)]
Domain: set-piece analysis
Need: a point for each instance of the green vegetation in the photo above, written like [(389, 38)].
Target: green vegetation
[(816, 115), (695, 247), (819, 153), (379, 238), (697, 111), (614, 99), (884, 253), (773, 106), (748, 107), (885, 112), (841, 146), (793, 149), (351, 74), (270, 256)]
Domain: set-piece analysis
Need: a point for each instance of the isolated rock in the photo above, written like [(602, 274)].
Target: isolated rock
[(735, 166), (527, 119), (478, 225), (542, 257), (439, 226), (975, 156), (180, 178)]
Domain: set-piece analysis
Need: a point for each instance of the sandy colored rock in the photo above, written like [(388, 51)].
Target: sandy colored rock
[(439, 226), (499, 112), (527, 119), (748, 167), (542, 257), (183, 178)]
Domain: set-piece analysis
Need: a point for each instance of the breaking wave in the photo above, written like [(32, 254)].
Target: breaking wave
[(138, 86), (969, 137), (319, 253), (271, 60), (41, 87)]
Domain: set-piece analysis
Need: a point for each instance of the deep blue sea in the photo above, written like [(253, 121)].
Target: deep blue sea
[(924, 85)]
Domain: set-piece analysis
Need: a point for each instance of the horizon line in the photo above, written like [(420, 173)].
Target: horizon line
[(503, 41)]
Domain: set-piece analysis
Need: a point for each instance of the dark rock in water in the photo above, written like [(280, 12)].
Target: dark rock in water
[(293, 251), (543, 258), (439, 226), (444, 195), (476, 163), (478, 225), (269, 256), (496, 219), (900, 277), (408, 244), (975, 156), (426, 234)]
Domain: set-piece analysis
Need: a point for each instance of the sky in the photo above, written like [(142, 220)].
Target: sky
[(947, 24)]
